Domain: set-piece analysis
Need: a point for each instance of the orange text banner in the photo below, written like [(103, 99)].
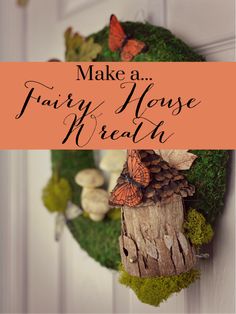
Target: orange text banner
[(118, 105)]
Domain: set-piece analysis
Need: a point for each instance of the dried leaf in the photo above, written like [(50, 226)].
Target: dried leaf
[(80, 49), (180, 159)]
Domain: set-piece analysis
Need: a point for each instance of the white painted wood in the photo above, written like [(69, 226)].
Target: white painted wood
[(121, 296), (157, 12), (87, 287), (73, 7), (203, 21), (12, 31), (13, 186), (13, 235), (221, 46), (43, 263), (224, 56), (174, 304)]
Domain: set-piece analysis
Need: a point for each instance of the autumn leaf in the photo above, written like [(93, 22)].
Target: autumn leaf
[(80, 49), (180, 159)]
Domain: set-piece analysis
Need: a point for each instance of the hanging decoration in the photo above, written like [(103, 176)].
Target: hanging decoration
[(163, 203)]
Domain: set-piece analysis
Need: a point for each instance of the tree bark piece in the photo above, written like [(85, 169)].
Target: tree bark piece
[(152, 242)]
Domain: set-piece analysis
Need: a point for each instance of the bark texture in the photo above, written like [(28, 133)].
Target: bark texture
[(152, 242)]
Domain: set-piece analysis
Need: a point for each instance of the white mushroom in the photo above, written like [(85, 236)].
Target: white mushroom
[(89, 179), (93, 200), (113, 162), (95, 203)]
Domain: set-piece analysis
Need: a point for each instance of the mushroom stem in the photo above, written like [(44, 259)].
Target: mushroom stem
[(85, 190)]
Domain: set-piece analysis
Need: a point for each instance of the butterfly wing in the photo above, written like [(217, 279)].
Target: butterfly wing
[(131, 49), (116, 34), (125, 194), (137, 170)]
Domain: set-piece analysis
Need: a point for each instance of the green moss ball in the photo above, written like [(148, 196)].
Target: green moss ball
[(56, 194), (196, 229), (155, 290), (161, 44), (99, 239)]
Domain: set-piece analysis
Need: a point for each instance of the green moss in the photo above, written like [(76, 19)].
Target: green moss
[(196, 229), (208, 174), (56, 194), (99, 239), (155, 290), (161, 44), (114, 214)]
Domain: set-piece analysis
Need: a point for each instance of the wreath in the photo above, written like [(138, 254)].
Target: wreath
[(77, 191)]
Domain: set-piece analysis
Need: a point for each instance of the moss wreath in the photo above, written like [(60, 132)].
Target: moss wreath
[(208, 173)]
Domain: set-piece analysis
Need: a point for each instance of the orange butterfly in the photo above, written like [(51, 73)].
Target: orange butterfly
[(128, 190), (118, 40)]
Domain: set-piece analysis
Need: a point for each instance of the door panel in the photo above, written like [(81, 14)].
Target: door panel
[(201, 22)]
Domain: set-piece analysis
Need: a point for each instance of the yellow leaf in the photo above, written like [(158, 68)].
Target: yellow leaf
[(80, 49), (89, 50)]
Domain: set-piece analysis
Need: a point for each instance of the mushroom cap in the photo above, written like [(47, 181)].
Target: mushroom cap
[(113, 160), (89, 178), (95, 201)]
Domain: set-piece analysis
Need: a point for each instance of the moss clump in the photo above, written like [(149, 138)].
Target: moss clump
[(155, 290), (208, 174), (114, 214), (161, 44), (56, 194), (99, 239), (196, 229)]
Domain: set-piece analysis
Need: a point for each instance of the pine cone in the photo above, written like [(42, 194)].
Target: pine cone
[(165, 180)]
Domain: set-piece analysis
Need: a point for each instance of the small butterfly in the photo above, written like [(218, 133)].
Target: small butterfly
[(128, 191), (118, 40)]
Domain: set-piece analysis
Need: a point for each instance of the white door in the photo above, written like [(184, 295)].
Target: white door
[(61, 277)]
